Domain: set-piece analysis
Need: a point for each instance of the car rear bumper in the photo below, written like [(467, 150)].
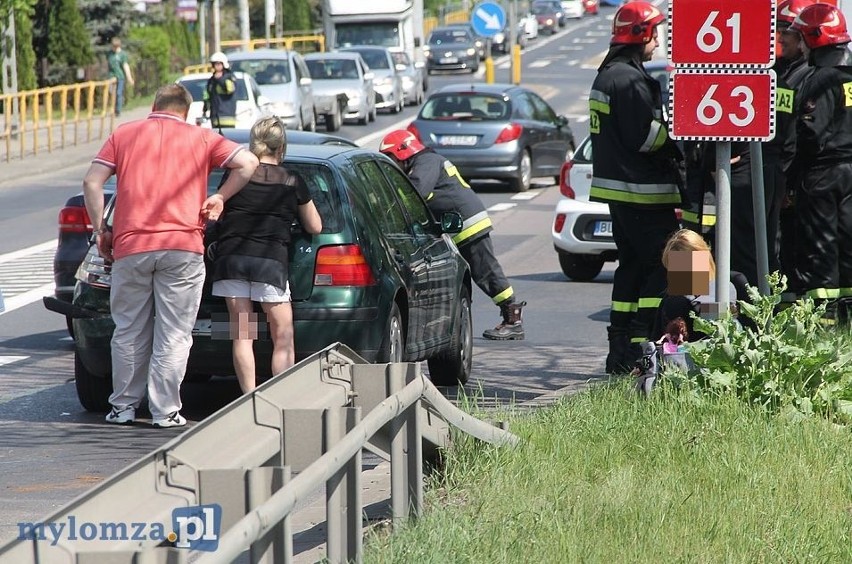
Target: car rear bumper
[(578, 232), (493, 163)]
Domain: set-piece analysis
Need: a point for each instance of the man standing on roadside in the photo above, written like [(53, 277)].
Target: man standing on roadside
[(637, 172), (119, 69), (155, 245)]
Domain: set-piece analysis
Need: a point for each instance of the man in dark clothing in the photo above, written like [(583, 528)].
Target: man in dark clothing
[(824, 154), (444, 190), (637, 172), (220, 98)]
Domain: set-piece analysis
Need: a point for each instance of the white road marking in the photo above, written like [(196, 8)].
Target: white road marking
[(34, 295), (539, 63), (28, 251), (525, 196), (10, 359), (501, 207)]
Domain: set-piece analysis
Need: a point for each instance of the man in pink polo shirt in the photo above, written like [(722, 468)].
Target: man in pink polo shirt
[(156, 246)]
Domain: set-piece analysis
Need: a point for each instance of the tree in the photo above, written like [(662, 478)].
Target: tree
[(106, 19), (297, 15), (24, 54), (60, 41)]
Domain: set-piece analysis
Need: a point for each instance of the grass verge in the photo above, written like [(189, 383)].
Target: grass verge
[(607, 477)]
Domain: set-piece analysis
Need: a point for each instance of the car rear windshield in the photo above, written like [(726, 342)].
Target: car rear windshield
[(375, 59), (440, 37), (265, 71), (466, 106), (196, 89), (332, 69), (320, 181)]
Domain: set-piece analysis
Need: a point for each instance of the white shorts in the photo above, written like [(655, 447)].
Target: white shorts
[(256, 291)]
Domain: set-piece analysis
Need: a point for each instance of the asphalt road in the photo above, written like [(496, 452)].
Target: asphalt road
[(51, 450)]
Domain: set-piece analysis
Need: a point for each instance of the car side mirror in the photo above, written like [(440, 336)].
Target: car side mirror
[(305, 81), (369, 76), (561, 121), (451, 222)]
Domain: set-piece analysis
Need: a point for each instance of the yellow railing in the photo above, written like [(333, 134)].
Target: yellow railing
[(301, 43), (459, 16), (52, 118), (429, 24)]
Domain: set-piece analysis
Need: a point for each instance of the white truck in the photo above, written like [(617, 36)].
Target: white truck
[(395, 24)]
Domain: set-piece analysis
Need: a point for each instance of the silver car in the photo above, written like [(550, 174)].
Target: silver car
[(387, 81), (342, 76), (414, 83), (282, 77)]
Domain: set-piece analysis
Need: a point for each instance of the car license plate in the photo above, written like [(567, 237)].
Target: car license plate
[(468, 140), (449, 60), (603, 229), (202, 327)]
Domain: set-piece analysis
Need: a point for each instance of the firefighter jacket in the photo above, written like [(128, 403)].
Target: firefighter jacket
[(824, 111), (634, 160), (782, 147), (444, 190), (220, 99), (792, 79)]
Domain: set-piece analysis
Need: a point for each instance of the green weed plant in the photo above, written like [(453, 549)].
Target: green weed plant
[(789, 364)]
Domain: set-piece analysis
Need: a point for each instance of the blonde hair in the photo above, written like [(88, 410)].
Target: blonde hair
[(688, 240), (268, 136)]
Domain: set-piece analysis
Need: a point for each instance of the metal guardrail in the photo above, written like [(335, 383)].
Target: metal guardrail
[(306, 421), (55, 117)]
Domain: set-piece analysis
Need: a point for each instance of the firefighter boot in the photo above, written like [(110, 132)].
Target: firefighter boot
[(618, 345), (512, 328)]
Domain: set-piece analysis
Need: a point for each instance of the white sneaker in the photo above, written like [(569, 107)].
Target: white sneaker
[(121, 415), (173, 419)]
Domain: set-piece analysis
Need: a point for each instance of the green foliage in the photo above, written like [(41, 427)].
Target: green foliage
[(60, 41), (790, 363), (24, 6), (184, 42), (297, 15), (152, 43), (106, 19), (24, 55)]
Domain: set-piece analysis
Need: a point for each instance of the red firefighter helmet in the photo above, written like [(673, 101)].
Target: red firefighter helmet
[(787, 11), (401, 144), (821, 25), (634, 22)]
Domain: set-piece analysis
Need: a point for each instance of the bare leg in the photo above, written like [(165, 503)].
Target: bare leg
[(280, 316), (243, 335)]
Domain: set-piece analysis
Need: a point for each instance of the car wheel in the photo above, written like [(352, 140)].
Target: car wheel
[(312, 123), (366, 119), (393, 343), (374, 113), (92, 391), (581, 268), (522, 182), (453, 367), (333, 120)]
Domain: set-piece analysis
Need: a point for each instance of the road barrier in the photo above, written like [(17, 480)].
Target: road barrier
[(234, 469), (51, 118)]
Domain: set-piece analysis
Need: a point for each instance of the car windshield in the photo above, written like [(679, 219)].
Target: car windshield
[(442, 36), (543, 10), (481, 107), (332, 69), (383, 34), (265, 71), (400, 58), (375, 59), (196, 88)]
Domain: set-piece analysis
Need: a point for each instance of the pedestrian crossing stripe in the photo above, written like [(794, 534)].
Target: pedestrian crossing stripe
[(10, 359)]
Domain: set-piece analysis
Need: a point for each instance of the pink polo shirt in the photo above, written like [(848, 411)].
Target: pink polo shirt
[(161, 164)]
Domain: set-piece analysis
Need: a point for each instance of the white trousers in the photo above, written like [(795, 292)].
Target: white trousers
[(154, 301)]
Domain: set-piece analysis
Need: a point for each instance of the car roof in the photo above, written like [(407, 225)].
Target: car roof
[(205, 76), (320, 151), (496, 88), (363, 48), (334, 55), (294, 137), (264, 53)]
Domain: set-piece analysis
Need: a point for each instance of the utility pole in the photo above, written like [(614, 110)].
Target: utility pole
[(202, 30), (217, 30)]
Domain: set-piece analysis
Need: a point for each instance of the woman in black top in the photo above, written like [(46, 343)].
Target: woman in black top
[(251, 262)]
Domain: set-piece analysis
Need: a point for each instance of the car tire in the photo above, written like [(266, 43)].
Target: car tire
[(580, 268), (333, 120), (312, 123), (393, 343), (366, 119), (374, 113), (453, 367), (524, 178), (93, 392)]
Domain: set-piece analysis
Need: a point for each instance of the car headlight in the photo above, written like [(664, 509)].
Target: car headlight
[(407, 81), (498, 38), (471, 52), (549, 21), (283, 109), (94, 270)]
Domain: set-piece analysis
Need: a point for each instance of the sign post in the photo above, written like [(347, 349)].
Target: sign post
[(722, 90), (488, 19)]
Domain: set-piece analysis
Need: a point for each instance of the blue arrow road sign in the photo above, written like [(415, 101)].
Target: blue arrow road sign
[(488, 19)]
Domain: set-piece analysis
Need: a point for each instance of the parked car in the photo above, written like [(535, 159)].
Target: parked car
[(502, 41), (556, 6), (251, 103), (383, 277), (387, 82), (582, 230), (495, 131), (451, 48), (282, 77), (482, 43), (343, 88), (414, 81), (547, 18), (75, 227), (573, 9)]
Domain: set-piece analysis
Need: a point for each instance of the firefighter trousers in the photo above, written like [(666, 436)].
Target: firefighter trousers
[(486, 271), (640, 279)]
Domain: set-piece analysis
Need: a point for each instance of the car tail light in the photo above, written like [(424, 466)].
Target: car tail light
[(74, 219), (509, 133), (413, 129), (679, 214), (342, 265), (559, 223), (565, 180)]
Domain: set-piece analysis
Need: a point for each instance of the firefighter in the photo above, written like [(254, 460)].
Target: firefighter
[(220, 98), (824, 154), (443, 189), (637, 171)]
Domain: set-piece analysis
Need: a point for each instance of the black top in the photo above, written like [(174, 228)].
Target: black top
[(254, 231)]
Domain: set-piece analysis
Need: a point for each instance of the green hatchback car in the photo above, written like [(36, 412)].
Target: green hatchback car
[(384, 277)]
